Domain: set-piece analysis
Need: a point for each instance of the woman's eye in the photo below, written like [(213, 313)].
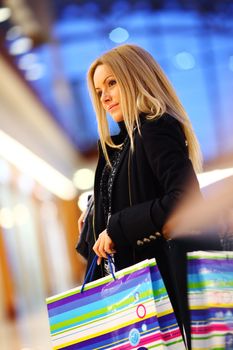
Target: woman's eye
[(112, 82)]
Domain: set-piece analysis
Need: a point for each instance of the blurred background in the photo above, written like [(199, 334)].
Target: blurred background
[(48, 130)]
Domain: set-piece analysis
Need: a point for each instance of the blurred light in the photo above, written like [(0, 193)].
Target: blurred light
[(21, 46), (119, 35), (185, 60), (84, 179), (5, 14), (35, 71), (26, 184), (36, 168), (21, 214), (13, 33), (42, 194), (6, 218), (231, 63), (5, 172), (27, 61), (71, 10), (213, 176), (83, 199), (92, 8), (120, 6), (49, 209)]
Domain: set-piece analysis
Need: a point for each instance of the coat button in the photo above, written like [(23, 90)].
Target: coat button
[(139, 243), (146, 240), (152, 237), (157, 234)]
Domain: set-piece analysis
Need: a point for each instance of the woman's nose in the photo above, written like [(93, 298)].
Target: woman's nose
[(105, 96)]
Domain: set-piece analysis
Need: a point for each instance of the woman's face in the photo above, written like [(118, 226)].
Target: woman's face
[(108, 91)]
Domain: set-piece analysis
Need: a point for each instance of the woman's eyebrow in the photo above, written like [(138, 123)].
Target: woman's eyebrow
[(105, 80)]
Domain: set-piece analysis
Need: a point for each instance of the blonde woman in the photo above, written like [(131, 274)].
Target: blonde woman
[(145, 170)]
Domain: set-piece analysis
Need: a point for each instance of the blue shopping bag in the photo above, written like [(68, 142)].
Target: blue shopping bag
[(132, 311)]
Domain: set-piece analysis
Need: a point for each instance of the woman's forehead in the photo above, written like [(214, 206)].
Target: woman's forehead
[(102, 72)]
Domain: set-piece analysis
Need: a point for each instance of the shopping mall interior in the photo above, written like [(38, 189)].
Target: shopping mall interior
[(48, 131)]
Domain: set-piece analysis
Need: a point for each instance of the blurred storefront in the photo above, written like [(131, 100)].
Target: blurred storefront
[(38, 232), (38, 216)]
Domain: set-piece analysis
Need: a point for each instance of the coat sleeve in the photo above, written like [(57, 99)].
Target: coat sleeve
[(166, 151)]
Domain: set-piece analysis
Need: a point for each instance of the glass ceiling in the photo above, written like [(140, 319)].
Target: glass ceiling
[(196, 55)]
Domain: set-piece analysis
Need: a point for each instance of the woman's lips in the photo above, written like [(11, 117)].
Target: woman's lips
[(113, 106)]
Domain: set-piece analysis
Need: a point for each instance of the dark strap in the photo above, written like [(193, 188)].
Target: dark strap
[(91, 270)]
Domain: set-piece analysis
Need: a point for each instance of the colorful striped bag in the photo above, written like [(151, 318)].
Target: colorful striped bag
[(131, 312), (210, 284)]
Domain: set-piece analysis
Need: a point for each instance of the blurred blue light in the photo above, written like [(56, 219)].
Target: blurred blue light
[(14, 33), (91, 8), (119, 35), (185, 60), (35, 71), (120, 7), (231, 63), (21, 46), (27, 60), (71, 11)]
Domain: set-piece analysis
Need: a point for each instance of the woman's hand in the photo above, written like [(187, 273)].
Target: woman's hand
[(103, 246), (81, 220)]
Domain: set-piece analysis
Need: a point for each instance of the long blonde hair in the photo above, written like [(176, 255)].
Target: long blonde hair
[(144, 88)]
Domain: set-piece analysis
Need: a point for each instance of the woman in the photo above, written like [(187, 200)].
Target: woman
[(145, 170)]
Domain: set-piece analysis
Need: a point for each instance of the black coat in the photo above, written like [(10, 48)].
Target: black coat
[(147, 187), (148, 184)]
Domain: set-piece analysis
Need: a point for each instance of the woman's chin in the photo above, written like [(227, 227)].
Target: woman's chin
[(117, 117)]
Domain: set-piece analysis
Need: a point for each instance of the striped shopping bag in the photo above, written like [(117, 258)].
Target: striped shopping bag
[(132, 311), (210, 285)]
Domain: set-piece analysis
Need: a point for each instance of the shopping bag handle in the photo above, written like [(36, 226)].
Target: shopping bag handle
[(92, 267), (110, 263)]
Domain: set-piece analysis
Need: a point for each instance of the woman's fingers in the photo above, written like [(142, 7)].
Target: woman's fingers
[(103, 246), (109, 247), (98, 247), (99, 260)]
